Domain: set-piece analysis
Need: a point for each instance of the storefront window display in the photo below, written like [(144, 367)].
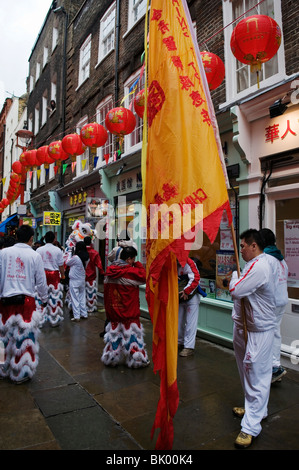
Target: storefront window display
[(217, 261)]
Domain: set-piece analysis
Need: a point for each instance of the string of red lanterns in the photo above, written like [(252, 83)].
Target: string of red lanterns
[(255, 40)]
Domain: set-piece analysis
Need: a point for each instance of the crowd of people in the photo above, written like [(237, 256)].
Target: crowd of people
[(32, 293)]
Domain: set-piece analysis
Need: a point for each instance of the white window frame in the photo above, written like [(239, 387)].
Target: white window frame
[(107, 34), (54, 37), (231, 62), (44, 109), (36, 120), (133, 141), (37, 71), (133, 14), (85, 155), (45, 56), (84, 60), (31, 83), (109, 147)]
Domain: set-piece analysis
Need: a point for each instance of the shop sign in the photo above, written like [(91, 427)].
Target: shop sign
[(78, 199), (29, 221), (130, 182), (52, 218), (280, 131), (291, 248)]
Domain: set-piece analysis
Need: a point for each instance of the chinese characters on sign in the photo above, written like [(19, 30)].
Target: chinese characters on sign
[(129, 183), (274, 132), (52, 218), (79, 198)]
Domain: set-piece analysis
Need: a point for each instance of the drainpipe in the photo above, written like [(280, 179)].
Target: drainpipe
[(262, 196), (63, 89)]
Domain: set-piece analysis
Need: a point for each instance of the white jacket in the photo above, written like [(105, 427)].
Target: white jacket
[(77, 271), (280, 273), (21, 270), (52, 256), (256, 286)]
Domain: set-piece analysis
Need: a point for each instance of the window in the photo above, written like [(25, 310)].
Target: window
[(136, 83), (109, 147), (82, 161), (107, 33), (240, 81), (54, 37), (44, 109), (36, 120), (84, 65), (45, 56), (37, 71), (137, 9), (31, 83)]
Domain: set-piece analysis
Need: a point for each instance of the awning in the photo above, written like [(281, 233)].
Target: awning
[(12, 220)]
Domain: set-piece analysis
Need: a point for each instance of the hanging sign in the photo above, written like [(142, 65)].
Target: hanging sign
[(52, 218)]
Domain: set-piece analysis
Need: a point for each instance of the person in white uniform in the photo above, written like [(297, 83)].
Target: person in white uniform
[(255, 288), (77, 264), (189, 300), (21, 272), (52, 257), (280, 272)]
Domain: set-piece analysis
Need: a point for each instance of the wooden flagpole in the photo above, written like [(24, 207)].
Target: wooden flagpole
[(239, 272)]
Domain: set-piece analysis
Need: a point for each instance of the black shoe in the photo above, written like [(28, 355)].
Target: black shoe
[(277, 374)]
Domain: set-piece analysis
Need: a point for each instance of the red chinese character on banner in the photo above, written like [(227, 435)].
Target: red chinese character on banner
[(195, 70), (170, 43), (175, 2), (156, 15), (288, 130), (183, 26), (206, 117), (272, 133), (197, 98), (163, 27), (156, 98), (176, 60), (186, 82)]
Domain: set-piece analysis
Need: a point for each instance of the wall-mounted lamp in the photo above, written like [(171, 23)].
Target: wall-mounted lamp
[(120, 170), (277, 108)]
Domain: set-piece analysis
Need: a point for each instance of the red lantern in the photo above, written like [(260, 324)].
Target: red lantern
[(93, 135), (56, 151), (42, 156), (17, 167), (214, 69), (255, 40), (5, 202), (120, 121), (73, 145), (14, 179), (23, 159), (30, 157), (139, 103)]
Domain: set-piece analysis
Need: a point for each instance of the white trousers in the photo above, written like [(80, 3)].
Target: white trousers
[(254, 362), (78, 299), (277, 336), (188, 319)]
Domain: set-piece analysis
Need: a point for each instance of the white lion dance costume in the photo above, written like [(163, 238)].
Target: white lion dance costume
[(19, 315), (80, 231)]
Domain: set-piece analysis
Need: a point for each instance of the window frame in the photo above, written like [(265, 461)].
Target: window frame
[(101, 53), (131, 10), (130, 147), (101, 112), (231, 62), (84, 61)]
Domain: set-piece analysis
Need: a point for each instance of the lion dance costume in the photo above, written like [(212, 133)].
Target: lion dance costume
[(124, 332)]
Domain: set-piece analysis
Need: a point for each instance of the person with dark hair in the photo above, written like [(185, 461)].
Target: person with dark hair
[(122, 240), (124, 332), (21, 272), (52, 258), (280, 273), (253, 339), (91, 275), (77, 264)]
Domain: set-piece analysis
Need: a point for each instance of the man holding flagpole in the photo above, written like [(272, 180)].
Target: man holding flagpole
[(179, 177)]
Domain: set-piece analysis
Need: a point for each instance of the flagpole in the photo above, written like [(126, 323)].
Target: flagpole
[(239, 273)]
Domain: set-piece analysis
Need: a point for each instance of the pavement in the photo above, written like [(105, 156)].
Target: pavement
[(74, 402)]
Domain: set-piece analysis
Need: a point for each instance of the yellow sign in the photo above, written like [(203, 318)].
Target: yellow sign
[(52, 218)]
